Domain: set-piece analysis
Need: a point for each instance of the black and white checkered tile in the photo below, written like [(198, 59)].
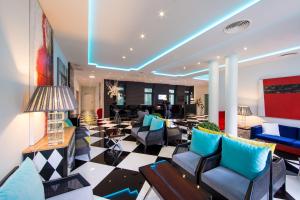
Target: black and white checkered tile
[(114, 171), (49, 163)]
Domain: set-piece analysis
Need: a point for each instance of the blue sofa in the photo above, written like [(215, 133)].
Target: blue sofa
[(288, 135)]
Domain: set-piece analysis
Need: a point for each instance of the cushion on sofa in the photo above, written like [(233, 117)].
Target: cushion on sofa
[(204, 144), (147, 120), (270, 129), (289, 132), (210, 131), (276, 139), (271, 146), (187, 160), (231, 185), (245, 159), (25, 183), (156, 124)]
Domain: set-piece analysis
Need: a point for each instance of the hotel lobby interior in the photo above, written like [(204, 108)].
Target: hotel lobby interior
[(150, 100)]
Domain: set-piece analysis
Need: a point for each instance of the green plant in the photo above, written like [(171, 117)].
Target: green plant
[(157, 114), (209, 126)]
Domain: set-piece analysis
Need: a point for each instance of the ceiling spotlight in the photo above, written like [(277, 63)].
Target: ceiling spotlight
[(245, 48), (161, 13), (198, 63), (184, 67), (92, 76), (218, 57), (142, 36), (123, 57), (130, 49)]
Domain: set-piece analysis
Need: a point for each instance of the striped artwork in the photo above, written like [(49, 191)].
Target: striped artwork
[(52, 98)]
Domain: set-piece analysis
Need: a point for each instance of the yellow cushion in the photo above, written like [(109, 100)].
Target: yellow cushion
[(210, 131), (88, 139), (271, 146)]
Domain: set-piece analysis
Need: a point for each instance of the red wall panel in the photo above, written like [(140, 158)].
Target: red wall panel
[(282, 97)]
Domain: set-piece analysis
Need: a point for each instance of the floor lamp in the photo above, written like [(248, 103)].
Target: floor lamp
[(244, 111), (54, 100)]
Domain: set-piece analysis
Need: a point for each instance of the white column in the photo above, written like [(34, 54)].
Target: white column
[(213, 92), (231, 84)]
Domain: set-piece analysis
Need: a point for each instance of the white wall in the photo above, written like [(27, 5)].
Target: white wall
[(57, 53), (14, 82), (18, 129), (248, 84)]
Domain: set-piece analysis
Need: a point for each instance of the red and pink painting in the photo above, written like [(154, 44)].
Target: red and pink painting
[(282, 97), (41, 46)]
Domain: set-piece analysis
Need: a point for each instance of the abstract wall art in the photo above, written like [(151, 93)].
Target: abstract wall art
[(282, 97), (41, 46)]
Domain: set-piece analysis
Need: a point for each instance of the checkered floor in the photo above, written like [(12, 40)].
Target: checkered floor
[(112, 171)]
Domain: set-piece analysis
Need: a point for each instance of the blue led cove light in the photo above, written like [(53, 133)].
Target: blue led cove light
[(165, 52), (273, 53), (120, 192)]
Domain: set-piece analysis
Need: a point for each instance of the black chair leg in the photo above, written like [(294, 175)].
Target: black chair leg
[(145, 148)]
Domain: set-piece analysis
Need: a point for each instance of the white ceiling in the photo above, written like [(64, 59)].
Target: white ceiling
[(116, 25)]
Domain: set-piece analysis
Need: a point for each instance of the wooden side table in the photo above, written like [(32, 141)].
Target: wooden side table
[(55, 161)]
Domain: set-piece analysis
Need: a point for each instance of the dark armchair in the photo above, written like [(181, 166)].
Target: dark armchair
[(224, 183), (173, 134), (150, 137)]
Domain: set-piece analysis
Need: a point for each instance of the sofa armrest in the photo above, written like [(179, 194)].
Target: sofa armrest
[(278, 174), (180, 148), (211, 162), (64, 185), (255, 130), (261, 185)]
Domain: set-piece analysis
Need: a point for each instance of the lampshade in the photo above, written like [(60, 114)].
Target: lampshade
[(244, 110), (51, 98)]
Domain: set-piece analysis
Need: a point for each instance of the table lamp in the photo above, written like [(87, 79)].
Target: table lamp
[(55, 100), (244, 111)]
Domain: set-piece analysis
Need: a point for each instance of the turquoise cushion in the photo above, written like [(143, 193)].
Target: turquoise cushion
[(23, 184), (68, 122), (204, 144), (245, 159), (147, 120), (156, 124)]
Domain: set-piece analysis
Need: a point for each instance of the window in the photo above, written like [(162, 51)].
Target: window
[(120, 97), (187, 97), (148, 96), (171, 97)]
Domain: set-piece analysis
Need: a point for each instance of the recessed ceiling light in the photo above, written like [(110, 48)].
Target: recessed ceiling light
[(130, 49), (218, 57), (142, 36), (161, 13), (245, 48), (92, 76), (198, 63), (184, 67), (123, 57)]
